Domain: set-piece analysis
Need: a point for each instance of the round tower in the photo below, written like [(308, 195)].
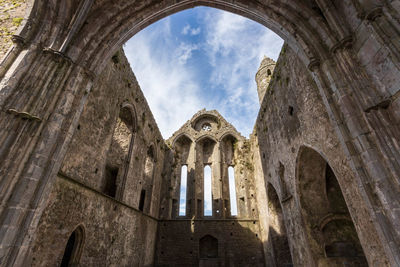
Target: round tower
[(263, 76)]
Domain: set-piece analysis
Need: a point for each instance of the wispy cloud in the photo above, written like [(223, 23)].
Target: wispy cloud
[(171, 68), (169, 87), (235, 47), (191, 31), (185, 52)]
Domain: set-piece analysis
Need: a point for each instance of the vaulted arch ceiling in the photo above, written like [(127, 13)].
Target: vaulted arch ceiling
[(109, 24)]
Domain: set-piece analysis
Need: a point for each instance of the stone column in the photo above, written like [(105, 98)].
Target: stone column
[(36, 128), (191, 183), (216, 182)]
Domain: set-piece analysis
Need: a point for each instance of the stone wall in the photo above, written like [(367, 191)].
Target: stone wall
[(292, 119), (178, 243), (116, 231), (208, 139)]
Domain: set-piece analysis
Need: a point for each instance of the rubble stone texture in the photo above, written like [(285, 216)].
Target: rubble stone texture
[(86, 178)]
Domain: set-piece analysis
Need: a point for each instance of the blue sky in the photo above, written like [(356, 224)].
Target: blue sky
[(201, 58)]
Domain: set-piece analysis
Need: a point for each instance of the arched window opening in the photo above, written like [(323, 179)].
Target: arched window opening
[(269, 72), (232, 191), (182, 201), (148, 178), (208, 247), (119, 153), (277, 230), (323, 204), (73, 249), (207, 191)]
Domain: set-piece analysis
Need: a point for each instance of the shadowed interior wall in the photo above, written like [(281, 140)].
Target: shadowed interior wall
[(293, 115), (117, 232)]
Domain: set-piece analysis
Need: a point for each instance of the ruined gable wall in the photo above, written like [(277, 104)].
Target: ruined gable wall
[(117, 233), (293, 115), (179, 237)]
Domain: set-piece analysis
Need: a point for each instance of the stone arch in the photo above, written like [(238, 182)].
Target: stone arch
[(277, 230), (114, 23), (120, 152), (74, 247), (331, 234), (73, 59), (208, 247), (179, 136), (148, 179), (230, 133), (182, 145), (228, 143), (203, 137)]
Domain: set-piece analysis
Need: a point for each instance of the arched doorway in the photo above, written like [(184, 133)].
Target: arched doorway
[(208, 251), (277, 230), (73, 248), (331, 234)]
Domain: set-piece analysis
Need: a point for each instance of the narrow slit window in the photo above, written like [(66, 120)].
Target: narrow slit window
[(207, 191), (232, 191), (110, 187), (182, 199), (142, 198)]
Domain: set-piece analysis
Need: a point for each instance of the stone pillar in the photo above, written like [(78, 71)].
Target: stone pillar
[(36, 129), (191, 183), (199, 182), (216, 182)]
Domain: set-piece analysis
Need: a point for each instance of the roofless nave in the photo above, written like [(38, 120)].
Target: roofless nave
[(86, 178)]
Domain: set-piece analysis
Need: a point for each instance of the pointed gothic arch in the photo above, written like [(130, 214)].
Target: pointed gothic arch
[(277, 229), (332, 237), (73, 248), (96, 29), (120, 152)]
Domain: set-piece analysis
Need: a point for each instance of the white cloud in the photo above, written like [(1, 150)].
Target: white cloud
[(184, 52), (189, 30), (233, 45), (186, 29), (195, 31), (170, 88)]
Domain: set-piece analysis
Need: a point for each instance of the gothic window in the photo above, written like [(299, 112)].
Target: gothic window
[(182, 201), (148, 177), (277, 229), (323, 204), (232, 191), (119, 153), (269, 72), (207, 191), (73, 249)]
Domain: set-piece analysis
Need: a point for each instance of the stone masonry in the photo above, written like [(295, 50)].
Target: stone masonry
[(86, 178)]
